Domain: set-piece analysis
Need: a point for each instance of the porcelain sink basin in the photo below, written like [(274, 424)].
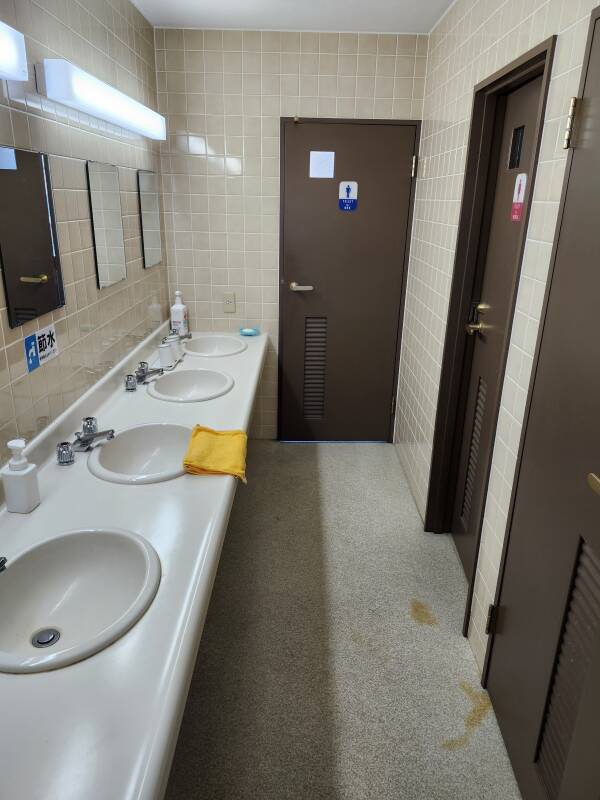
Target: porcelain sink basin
[(214, 345), (190, 385), (143, 454), (72, 596)]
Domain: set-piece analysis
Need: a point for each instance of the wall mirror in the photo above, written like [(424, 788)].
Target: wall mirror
[(29, 257), (107, 223), (150, 218)]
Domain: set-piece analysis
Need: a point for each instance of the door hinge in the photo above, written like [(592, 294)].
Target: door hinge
[(492, 618), (415, 161), (393, 411), (570, 122)]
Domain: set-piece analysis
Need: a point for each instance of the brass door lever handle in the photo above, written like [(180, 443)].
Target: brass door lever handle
[(594, 482), (475, 327), (34, 279)]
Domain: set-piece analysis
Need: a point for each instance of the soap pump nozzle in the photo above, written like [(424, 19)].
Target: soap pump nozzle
[(18, 462)]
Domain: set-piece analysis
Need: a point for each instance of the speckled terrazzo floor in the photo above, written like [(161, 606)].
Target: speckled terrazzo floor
[(332, 665)]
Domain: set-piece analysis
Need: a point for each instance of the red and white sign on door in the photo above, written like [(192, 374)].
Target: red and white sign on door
[(516, 214)]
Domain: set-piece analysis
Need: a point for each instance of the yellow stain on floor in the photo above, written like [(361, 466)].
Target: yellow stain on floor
[(481, 707), (422, 614)]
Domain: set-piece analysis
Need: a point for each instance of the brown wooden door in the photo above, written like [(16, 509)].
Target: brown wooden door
[(544, 667), (340, 339), (513, 148), (28, 242)]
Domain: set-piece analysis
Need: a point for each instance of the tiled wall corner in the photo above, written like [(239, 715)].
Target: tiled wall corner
[(472, 41), (223, 93), (112, 40)]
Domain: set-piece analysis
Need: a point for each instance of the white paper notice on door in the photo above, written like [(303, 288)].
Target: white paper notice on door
[(322, 164)]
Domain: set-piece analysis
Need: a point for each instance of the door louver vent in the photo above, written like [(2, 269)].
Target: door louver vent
[(315, 362), (474, 451), (579, 635)]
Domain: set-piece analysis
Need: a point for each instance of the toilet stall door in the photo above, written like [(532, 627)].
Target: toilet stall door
[(493, 304), (346, 199), (544, 658)]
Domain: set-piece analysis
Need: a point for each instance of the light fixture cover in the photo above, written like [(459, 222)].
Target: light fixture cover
[(72, 86), (13, 56)]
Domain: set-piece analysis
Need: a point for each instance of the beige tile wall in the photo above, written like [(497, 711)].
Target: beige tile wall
[(224, 93), (473, 40), (110, 39)]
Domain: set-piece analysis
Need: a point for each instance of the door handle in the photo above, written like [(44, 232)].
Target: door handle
[(594, 482), (475, 327), (34, 279), (296, 287)]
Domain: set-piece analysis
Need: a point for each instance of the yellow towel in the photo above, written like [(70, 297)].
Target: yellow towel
[(216, 453)]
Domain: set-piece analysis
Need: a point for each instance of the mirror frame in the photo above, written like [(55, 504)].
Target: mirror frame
[(158, 194), (94, 244)]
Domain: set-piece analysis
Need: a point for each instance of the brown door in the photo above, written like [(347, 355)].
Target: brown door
[(544, 667), (513, 148), (340, 329), (29, 259)]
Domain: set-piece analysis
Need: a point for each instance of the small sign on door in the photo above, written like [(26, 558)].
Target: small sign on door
[(348, 199), (40, 347), (321, 164), (516, 214)]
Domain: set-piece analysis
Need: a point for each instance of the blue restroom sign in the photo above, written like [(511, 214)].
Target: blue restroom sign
[(348, 196)]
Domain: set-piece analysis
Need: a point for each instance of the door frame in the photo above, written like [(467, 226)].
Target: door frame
[(594, 17), (467, 275), (284, 123)]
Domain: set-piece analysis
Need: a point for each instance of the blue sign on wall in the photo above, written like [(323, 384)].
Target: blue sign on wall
[(40, 347), (348, 197), (32, 354)]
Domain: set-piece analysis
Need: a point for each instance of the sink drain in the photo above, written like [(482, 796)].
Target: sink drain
[(45, 638)]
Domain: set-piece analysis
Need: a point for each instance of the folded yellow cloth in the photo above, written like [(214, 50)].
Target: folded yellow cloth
[(216, 453)]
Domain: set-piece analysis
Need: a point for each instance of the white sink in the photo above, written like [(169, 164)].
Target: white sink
[(190, 385), (80, 592), (143, 454), (212, 345)]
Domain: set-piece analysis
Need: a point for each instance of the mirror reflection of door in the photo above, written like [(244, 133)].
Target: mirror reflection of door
[(150, 218), (107, 223), (29, 258)]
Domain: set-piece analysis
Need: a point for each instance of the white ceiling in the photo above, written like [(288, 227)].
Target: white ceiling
[(367, 16)]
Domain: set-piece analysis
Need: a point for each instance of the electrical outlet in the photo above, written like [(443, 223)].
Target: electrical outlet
[(229, 302)]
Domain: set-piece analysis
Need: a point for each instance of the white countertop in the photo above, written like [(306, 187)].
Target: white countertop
[(106, 728)]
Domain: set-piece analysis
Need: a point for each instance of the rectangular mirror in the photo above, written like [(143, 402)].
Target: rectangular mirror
[(29, 257), (107, 223), (150, 218)]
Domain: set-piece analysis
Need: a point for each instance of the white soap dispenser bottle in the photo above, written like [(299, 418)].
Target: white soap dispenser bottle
[(20, 480), (179, 316)]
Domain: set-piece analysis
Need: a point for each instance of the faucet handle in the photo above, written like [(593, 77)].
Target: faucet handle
[(89, 426), (64, 454), (142, 370), (3, 563), (130, 383)]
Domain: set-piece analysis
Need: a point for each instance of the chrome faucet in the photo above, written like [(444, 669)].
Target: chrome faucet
[(84, 440), (3, 563), (141, 375), (89, 434)]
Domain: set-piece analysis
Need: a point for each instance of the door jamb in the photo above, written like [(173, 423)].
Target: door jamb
[(467, 275), (594, 17), (416, 124)]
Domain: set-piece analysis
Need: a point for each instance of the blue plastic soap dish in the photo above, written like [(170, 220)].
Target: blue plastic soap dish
[(249, 331)]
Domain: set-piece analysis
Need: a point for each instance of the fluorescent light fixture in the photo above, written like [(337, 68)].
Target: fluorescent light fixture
[(67, 84), (13, 56)]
